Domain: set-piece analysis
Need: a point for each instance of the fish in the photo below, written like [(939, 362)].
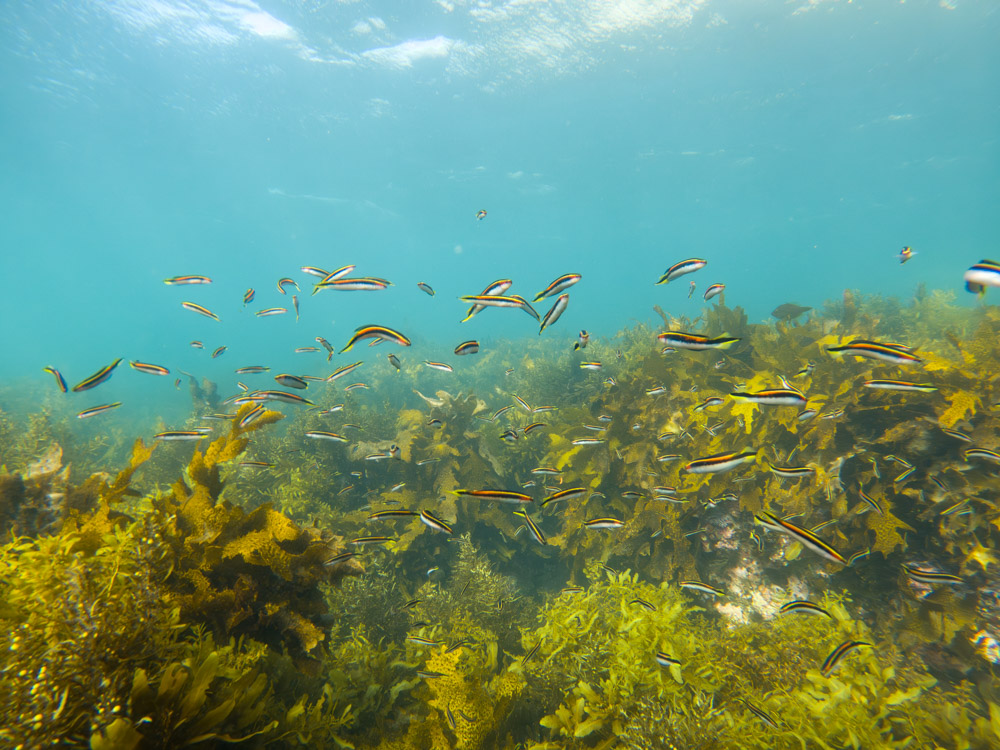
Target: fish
[(425, 287), (802, 605), (509, 436), (714, 291), (394, 361), (533, 426), (831, 662), (546, 471), (583, 338), (522, 403), (369, 331), (271, 311), (494, 300), (356, 387), (288, 398), (467, 347), (219, 352), (291, 381), (295, 306), (761, 714), (101, 376), (355, 284), (313, 271), (503, 496), (858, 555), (197, 345), (531, 653), (186, 280), (421, 641), (533, 529), (342, 371), (702, 587), (480, 214), (200, 310), (931, 577), (874, 350), (282, 283), (604, 523), (789, 311), (501, 410), (146, 368), (589, 441), (792, 472), (957, 434), (306, 349), (983, 453), (983, 274), (95, 410), (60, 380), (772, 397), (252, 416), (181, 435), (439, 366), (806, 370), (248, 296), (691, 289), (554, 312), (432, 521), (590, 365), (683, 267), (656, 390), (720, 462), (256, 464), (252, 370), (710, 401), (804, 536), (338, 274), (665, 660), (644, 604), (324, 435), (364, 540), (899, 385), (497, 287), (668, 457), (905, 254), (559, 285), (568, 494), (694, 342), (326, 345), (872, 502)]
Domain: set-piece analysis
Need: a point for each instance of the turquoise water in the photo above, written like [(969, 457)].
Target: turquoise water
[(797, 146)]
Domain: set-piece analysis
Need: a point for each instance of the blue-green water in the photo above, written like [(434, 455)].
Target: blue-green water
[(796, 146)]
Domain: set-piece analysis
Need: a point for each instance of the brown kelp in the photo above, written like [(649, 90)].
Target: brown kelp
[(283, 590)]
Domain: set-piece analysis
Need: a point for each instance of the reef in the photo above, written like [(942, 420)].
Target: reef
[(250, 588)]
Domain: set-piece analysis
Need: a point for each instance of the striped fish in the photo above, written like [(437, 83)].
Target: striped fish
[(695, 342), (559, 285), (720, 462), (804, 536), (101, 376), (837, 655), (681, 268)]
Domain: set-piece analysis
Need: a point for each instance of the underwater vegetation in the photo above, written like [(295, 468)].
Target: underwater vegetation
[(261, 587)]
